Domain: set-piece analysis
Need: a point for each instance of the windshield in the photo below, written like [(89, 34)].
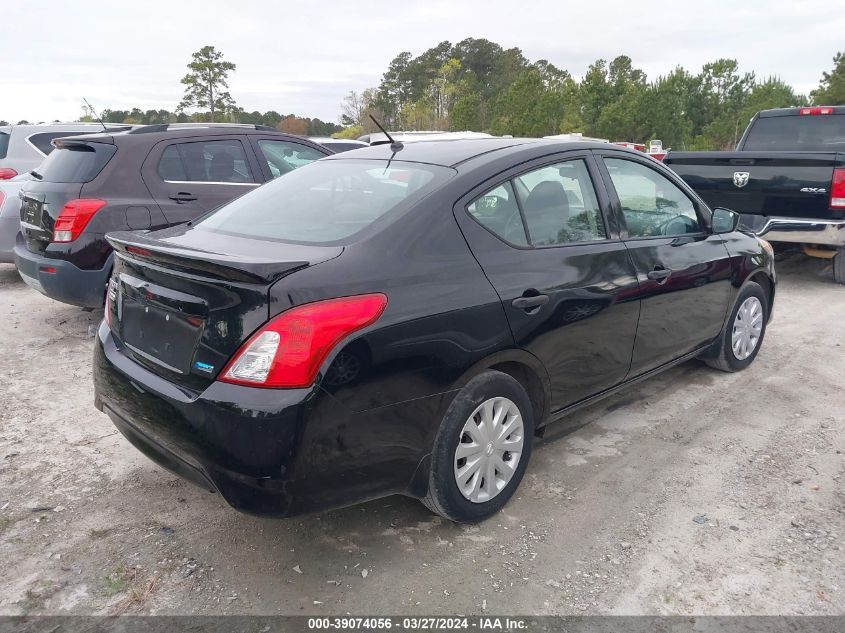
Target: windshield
[(797, 133), (327, 201)]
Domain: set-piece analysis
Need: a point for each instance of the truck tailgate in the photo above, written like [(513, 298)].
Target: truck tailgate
[(790, 184)]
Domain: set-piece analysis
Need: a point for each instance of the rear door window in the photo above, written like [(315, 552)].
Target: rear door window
[(560, 204), (76, 162), (498, 211), (221, 161), (283, 156)]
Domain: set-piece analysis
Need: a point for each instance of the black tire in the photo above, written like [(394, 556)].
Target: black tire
[(839, 266), (444, 496), (722, 356)]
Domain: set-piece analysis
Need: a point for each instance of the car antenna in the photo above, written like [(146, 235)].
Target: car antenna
[(394, 145), (96, 116)]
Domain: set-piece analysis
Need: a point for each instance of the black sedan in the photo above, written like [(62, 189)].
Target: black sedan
[(408, 319)]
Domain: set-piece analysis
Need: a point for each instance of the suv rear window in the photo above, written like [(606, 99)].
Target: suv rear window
[(824, 132), (76, 163), (327, 201), (4, 144)]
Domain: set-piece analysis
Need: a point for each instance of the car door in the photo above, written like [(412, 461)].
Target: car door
[(684, 271), (280, 156), (189, 176), (568, 288)]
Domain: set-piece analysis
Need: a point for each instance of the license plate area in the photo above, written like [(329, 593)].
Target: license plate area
[(161, 325), (31, 213)]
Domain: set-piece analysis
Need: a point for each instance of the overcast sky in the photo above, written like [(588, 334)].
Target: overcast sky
[(304, 56)]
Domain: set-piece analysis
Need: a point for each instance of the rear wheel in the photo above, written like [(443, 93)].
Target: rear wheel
[(740, 342), (839, 266), (481, 450)]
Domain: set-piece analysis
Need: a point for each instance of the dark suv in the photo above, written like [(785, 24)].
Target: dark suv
[(150, 177)]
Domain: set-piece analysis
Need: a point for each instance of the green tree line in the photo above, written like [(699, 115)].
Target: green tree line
[(478, 85)]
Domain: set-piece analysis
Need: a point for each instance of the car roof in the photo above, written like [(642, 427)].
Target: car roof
[(156, 133), (450, 153)]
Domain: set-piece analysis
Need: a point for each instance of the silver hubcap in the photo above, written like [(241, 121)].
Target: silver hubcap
[(489, 449), (748, 326)]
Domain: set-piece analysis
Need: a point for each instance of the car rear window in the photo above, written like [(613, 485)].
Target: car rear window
[(4, 144), (825, 132), (76, 163), (327, 201)]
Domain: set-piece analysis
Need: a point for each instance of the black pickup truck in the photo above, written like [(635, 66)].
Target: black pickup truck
[(786, 179)]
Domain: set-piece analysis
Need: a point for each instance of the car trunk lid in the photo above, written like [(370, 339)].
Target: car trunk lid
[(183, 302)]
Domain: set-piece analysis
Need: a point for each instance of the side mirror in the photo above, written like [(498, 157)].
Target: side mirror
[(724, 220)]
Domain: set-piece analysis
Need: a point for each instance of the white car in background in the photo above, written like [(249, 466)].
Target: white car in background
[(24, 147), (10, 221)]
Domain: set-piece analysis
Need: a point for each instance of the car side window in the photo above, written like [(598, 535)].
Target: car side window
[(499, 212), (283, 156), (651, 203), (205, 161), (560, 205)]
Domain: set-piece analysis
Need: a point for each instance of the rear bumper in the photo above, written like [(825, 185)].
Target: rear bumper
[(267, 452), (9, 228), (797, 230), (61, 280)]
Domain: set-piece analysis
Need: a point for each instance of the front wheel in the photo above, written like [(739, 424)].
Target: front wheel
[(481, 450), (740, 342)]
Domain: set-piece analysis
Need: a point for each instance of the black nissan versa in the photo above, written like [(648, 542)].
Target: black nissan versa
[(407, 320), (151, 177)]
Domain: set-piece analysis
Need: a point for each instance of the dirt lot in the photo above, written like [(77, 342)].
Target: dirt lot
[(698, 492)]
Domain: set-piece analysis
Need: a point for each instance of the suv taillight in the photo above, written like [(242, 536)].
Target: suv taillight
[(74, 217), (7, 172), (837, 189), (288, 350)]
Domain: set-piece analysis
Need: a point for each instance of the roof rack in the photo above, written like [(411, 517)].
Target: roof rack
[(166, 127)]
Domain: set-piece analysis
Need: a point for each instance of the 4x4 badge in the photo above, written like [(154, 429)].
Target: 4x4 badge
[(741, 178)]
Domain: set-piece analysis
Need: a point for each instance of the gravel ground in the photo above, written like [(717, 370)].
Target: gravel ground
[(694, 493)]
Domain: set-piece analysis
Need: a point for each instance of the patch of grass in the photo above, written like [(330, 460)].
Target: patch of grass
[(32, 601), (7, 522), (117, 581), (37, 595), (100, 533)]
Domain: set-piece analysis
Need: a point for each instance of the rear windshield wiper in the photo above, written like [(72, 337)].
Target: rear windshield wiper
[(36, 175)]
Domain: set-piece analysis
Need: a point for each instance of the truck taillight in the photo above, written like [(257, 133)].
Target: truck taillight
[(837, 189), (288, 350), (817, 110), (74, 217)]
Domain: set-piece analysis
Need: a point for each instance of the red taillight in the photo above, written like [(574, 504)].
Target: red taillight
[(817, 110), (74, 217), (837, 190), (7, 172), (143, 252), (288, 351), (2, 199)]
